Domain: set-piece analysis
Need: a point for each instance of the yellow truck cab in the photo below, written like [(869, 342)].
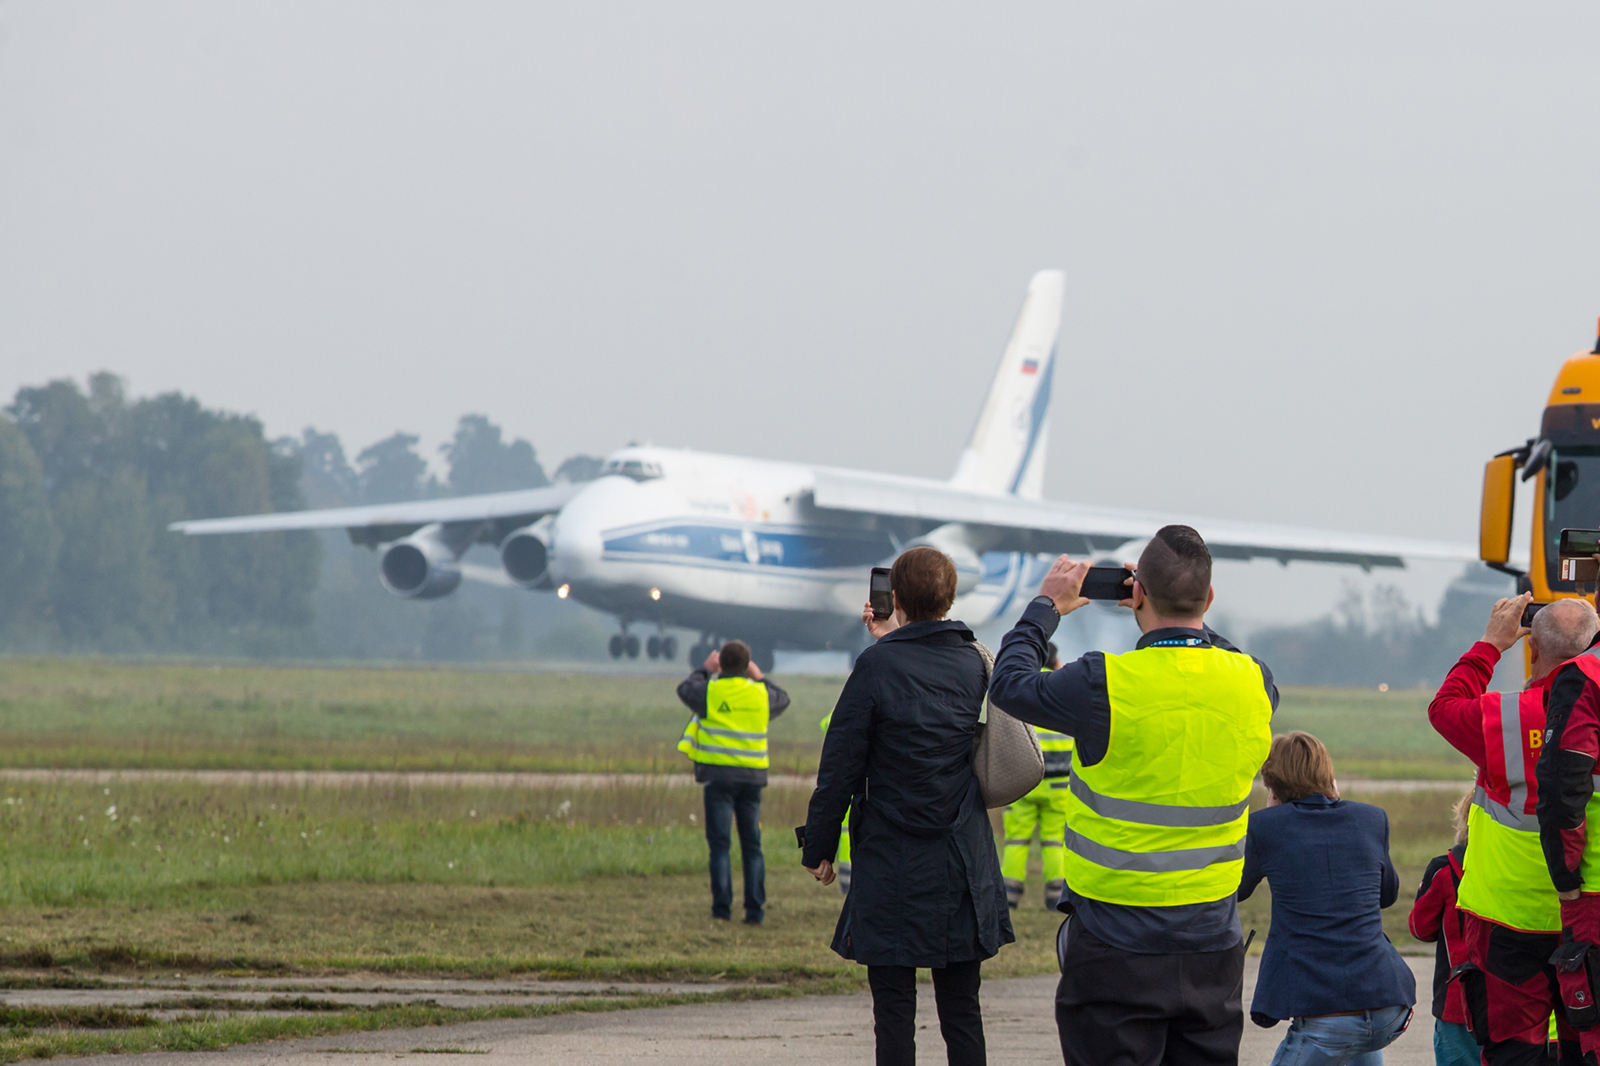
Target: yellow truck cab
[(1564, 463)]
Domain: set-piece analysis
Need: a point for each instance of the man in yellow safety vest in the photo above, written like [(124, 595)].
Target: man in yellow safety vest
[(1045, 808), (1169, 738), (1511, 914), (727, 740)]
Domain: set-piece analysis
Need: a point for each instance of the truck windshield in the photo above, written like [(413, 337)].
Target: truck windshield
[(1572, 501)]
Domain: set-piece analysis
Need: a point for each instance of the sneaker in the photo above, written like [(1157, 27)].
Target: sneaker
[(753, 920)]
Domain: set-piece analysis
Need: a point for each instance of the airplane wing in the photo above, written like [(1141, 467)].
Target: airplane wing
[(1011, 523), (384, 522)]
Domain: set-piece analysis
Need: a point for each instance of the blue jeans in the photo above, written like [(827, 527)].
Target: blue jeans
[(724, 804), (1453, 1045), (1342, 1040)]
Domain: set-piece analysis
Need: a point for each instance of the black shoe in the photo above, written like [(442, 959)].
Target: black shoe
[(757, 920), (722, 917)]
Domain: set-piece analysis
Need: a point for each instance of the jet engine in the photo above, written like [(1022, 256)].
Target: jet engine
[(525, 555), (951, 539), (420, 567)]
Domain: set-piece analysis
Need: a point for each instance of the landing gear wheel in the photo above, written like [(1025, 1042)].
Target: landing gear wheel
[(652, 647), (761, 655), (615, 646), (669, 648), (630, 644)]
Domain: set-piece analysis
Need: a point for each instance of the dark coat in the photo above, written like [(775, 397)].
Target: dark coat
[(925, 886), (1328, 864)]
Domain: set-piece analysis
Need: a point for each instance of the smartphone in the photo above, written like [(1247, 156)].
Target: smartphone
[(1579, 543), (1107, 583), (878, 593), (1529, 611)]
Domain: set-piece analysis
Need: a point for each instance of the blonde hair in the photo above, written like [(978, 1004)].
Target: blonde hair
[(1298, 766), (1458, 816)]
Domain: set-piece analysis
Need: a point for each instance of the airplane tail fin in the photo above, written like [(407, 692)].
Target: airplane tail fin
[(1006, 451)]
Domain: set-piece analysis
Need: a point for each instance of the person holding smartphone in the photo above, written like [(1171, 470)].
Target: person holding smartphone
[(1169, 738), (1511, 917), (926, 888)]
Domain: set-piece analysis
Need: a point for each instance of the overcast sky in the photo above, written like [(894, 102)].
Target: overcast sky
[(1323, 260)]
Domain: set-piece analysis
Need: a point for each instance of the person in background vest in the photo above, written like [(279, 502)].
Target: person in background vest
[(1567, 796), (1435, 920), (727, 739), (1168, 740), (1045, 808), (1512, 918), (841, 858)]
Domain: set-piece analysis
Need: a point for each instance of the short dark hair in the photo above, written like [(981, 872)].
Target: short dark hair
[(1175, 572), (734, 657), (924, 582)]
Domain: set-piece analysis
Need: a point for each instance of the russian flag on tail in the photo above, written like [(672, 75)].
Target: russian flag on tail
[(1030, 366)]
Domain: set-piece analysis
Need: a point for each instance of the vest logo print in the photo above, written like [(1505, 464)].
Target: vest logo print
[(1535, 739), (724, 708)]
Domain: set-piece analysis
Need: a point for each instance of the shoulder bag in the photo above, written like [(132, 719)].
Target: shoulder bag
[(1005, 753)]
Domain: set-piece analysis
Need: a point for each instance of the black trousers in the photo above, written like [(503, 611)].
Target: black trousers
[(894, 1013), (1117, 1008), (725, 805)]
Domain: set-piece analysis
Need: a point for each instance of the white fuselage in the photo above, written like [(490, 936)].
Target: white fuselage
[(733, 547)]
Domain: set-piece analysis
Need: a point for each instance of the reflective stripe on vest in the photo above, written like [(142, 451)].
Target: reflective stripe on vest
[(734, 730), (1505, 879), (1160, 821)]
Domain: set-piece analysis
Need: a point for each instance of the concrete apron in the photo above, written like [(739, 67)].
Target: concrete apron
[(1019, 1024)]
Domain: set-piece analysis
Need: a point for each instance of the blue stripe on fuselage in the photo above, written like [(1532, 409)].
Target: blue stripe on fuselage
[(791, 548)]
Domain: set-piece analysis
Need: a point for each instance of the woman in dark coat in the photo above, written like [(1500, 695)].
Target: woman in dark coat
[(926, 888)]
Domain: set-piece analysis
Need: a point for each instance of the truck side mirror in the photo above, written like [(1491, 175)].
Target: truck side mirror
[(1494, 517)]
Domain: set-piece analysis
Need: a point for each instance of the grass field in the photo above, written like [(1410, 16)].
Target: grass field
[(573, 882), (99, 713)]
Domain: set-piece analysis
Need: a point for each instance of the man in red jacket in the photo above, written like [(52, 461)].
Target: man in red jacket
[(1512, 918), (1567, 797)]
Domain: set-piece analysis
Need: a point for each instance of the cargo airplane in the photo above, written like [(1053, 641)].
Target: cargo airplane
[(777, 553)]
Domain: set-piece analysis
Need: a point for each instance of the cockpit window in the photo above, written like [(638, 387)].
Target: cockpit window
[(1572, 501), (637, 469)]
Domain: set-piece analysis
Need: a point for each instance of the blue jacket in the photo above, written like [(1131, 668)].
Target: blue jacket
[(1327, 862), (925, 886)]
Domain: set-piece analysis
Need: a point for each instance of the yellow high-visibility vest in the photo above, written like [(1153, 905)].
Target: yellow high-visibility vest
[(1057, 748), (1160, 821), (734, 730), (1504, 876)]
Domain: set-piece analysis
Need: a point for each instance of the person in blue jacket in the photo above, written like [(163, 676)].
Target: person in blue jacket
[(1327, 964)]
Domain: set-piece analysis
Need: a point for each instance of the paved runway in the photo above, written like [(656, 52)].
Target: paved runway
[(1019, 1023)]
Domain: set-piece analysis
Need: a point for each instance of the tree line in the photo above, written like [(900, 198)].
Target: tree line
[(90, 478)]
